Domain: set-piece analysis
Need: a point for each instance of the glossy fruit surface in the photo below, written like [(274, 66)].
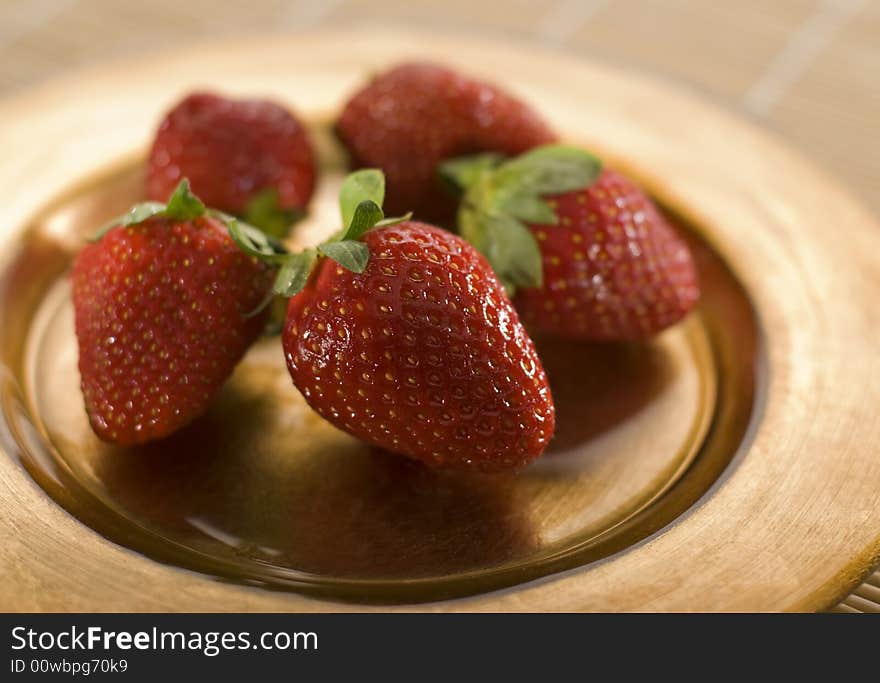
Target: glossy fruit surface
[(422, 353), (613, 266), (410, 118), (232, 151), (161, 319)]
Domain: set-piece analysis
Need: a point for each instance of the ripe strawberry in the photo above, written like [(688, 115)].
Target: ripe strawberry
[(161, 302), (246, 157), (586, 252), (409, 119), (405, 338)]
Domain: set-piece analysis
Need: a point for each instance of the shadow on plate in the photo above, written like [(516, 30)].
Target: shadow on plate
[(596, 386), (331, 506)]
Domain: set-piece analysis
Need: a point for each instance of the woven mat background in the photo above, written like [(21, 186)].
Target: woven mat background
[(807, 69)]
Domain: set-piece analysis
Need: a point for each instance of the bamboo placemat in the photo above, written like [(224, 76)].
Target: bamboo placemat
[(807, 69)]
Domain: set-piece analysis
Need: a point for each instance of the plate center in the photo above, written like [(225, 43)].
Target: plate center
[(262, 490)]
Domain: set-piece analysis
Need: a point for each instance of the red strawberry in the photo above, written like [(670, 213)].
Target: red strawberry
[(409, 119), (586, 251), (246, 157), (406, 339), (161, 302)]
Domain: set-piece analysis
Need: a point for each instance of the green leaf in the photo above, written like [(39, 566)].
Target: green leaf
[(294, 273), (264, 211), (507, 244), (253, 241), (349, 254), (364, 185), (464, 172), (529, 208), (366, 215), (385, 222), (500, 200), (141, 212), (472, 227), (183, 205), (136, 214), (513, 251), (552, 169)]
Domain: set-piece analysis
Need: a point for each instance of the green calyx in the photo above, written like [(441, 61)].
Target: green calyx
[(360, 202), (500, 196), (183, 205), (263, 211)]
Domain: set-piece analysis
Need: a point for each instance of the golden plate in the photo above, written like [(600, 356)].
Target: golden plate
[(729, 464)]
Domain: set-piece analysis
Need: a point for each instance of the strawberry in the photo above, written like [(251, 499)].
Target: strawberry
[(399, 333), (583, 248), (246, 157), (409, 119), (161, 301)]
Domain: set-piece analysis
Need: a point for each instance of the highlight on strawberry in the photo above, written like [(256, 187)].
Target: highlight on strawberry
[(250, 158), (581, 249), (162, 300), (399, 333)]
